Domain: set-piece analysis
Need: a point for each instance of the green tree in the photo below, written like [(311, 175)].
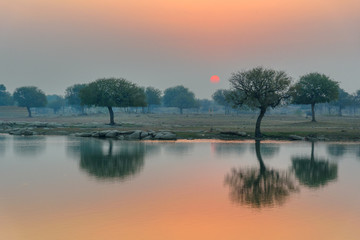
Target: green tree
[(30, 97), (5, 97), (56, 102), (315, 88), (344, 100), (153, 97), (72, 96), (179, 97), (259, 88), (220, 97), (113, 92)]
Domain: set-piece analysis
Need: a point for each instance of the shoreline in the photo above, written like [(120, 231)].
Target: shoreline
[(124, 132)]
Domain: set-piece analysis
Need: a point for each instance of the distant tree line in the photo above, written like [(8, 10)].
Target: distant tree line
[(255, 89)]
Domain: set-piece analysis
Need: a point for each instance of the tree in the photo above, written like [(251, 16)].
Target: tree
[(5, 97), (344, 100), (153, 97), (56, 102), (259, 88), (179, 97), (72, 96), (30, 97), (315, 88), (220, 97), (113, 92), (260, 187)]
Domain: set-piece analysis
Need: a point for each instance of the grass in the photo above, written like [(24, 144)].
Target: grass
[(209, 126)]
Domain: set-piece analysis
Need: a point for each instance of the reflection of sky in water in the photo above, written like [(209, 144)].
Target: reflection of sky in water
[(3, 144), (176, 194), (29, 146)]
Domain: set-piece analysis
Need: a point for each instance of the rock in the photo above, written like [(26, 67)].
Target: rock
[(27, 133), (103, 133), (83, 134), (126, 132), (297, 138), (165, 136), (233, 133), (322, 138), (95, 134), (22, 132), (112, 134), (144, 135), (149, 137), (135, 135)]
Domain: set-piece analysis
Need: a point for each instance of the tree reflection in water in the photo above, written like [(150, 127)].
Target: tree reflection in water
[(336, 150), (314, 172), (103, 160), (260, 187)]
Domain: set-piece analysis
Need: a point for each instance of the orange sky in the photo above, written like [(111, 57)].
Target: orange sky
[(56, 43)]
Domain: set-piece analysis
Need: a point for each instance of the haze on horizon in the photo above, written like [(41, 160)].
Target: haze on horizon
[(55, 44)]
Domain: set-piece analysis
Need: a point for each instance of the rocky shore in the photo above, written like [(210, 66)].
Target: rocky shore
[(98, 130)]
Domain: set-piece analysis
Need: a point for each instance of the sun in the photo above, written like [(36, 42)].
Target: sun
[(214, 79)]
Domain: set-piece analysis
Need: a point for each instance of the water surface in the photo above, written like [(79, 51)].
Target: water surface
[(80, 188)]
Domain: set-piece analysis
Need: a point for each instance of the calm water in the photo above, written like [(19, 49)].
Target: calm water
[(76, 188)]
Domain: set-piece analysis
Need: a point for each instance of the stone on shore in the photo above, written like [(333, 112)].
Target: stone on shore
[(165, 136), (296, 138)]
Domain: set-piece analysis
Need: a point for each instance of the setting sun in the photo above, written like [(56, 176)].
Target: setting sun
[(214, 79)]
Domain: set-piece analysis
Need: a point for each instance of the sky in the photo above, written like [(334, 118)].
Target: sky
[(55, 44)]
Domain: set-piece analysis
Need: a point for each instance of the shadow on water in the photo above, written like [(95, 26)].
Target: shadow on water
[(260, 187), (312, 171), (110, 160)]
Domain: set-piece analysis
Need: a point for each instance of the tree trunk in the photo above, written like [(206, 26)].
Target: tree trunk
[(258, 123), (111, 116), (340, 110), (258, 156), (29, 112), (313, 112), (181, 111)]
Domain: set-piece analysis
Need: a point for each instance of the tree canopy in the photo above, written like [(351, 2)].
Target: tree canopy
[(153, 96), (315, 88), (344, 100), (179, 97), (220, 96), (5, 97), (113, 92), (30, 97), (56, 102), (259, 88), (72, 96)]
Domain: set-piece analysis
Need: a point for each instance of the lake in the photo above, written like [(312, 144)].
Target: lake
[(84, 188)]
